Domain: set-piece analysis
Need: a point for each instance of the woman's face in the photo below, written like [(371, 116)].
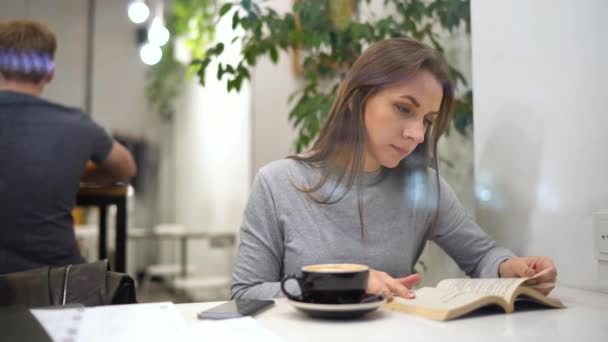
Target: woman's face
[(396, 118)]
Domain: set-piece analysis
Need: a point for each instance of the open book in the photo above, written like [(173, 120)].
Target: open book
[(452, 298)]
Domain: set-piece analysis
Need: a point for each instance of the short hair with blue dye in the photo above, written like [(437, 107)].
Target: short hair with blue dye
[(27, 50)]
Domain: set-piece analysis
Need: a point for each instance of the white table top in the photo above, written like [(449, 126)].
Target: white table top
[(585, 319)]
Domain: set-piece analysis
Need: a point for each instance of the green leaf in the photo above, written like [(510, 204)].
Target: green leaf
[(230, 85), (246, 4), (220, 71), (201, 76), (274, 54), (249, 56), (225, 8), (297, 6), (243, 72), (235, 20), (219, 48)]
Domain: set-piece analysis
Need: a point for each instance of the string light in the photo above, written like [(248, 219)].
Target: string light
[(150, 53), (158, 33), (138, 12)]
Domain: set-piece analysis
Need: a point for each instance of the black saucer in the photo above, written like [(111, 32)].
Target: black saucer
[(368, 304)]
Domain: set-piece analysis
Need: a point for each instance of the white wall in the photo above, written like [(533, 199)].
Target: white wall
[(212, 156), (212, 159), (119, 74), (539, 75), (272, 135)]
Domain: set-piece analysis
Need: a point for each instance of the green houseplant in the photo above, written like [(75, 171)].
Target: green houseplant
[(329, 36), (193, 21)]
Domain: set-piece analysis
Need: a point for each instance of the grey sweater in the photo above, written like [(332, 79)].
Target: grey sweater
[(284, 230)]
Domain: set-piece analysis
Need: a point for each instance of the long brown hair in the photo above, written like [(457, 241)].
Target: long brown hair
[(382, 64)]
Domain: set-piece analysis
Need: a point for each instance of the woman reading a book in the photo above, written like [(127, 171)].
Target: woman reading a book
[(365, 192)]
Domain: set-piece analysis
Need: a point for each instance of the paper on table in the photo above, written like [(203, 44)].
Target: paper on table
[(138, 322), (61, 324), (230, 330)]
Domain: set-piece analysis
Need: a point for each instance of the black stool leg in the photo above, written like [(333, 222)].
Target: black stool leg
[(103, 229), (121, 235)]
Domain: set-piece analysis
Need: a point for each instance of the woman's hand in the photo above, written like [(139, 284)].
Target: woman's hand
[(381, 283), (526, 267)]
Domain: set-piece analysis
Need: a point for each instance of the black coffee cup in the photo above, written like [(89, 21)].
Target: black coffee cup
[(330, 283)]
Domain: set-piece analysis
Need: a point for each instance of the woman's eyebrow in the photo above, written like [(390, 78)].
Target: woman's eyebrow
[(411, 98), (416, 104)]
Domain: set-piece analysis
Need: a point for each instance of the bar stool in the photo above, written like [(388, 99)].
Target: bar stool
[(189, 283), (168, 271)]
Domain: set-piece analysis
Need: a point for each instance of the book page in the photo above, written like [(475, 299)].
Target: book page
[(502, 287), (430, 297)]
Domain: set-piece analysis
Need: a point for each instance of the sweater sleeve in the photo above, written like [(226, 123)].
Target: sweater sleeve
[(257, 271), (459, 236)]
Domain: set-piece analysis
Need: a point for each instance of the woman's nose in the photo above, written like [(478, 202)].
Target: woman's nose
[(415, 131)]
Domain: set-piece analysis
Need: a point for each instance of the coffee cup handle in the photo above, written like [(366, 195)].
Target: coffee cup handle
[(289, 295)]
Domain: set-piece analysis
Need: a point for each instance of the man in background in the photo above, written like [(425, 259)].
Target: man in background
[(44, 149)]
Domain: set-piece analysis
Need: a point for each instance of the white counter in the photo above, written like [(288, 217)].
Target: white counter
[(585, 319)]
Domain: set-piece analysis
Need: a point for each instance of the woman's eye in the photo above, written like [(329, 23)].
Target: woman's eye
[(402, 109)]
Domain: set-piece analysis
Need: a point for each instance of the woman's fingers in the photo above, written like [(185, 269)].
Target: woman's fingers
[(545, 269), (548, 275), (389, 286), (401, 290), (387, 293), (382, 283), (521, 268), (539, 268), (410, 280), (376, 283)]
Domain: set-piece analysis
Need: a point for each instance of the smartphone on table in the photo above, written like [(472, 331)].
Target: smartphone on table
[(236, 308)]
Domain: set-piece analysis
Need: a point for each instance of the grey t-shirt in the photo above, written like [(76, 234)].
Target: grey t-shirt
[(44, 148), (283, 229)]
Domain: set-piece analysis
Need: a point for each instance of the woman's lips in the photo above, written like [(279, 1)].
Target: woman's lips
[(401, 151)]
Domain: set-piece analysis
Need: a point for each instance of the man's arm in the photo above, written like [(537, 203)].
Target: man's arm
[(118, 166)]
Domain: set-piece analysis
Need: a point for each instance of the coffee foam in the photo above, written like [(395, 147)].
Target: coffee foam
[(335, 268)]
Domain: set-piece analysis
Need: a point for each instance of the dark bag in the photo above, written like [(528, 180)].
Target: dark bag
[(89, 284)]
